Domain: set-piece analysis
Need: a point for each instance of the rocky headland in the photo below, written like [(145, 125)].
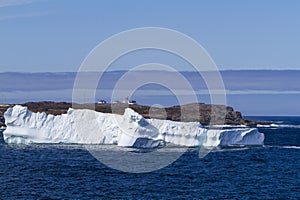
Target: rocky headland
[(208, 114)]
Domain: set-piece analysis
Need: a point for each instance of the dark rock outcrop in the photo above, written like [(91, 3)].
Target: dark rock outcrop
[(3, 108), (206, 114)]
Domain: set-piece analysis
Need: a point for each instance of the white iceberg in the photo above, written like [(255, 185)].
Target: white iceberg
[(129, 129)]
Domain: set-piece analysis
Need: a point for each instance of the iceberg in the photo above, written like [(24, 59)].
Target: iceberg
[(127, 130)]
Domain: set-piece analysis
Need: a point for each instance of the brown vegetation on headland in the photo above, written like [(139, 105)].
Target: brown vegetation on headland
[(176, 113)]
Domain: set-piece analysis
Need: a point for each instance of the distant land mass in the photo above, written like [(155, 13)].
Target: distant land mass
[(253, 92), (236, 80), (173, 113)]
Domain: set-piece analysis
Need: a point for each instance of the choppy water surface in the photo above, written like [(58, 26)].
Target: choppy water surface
[(70, 171)]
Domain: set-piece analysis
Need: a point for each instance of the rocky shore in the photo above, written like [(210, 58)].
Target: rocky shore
[(175, 113)]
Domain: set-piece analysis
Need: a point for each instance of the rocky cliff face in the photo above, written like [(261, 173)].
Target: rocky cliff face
[(3, 108), (208, 114)]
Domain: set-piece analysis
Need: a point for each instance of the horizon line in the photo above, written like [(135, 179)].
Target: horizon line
[(222, 70)]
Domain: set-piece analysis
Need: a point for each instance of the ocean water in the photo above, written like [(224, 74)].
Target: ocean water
[(71, 172)]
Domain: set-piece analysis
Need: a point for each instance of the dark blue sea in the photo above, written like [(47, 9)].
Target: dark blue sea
[(71, 172)]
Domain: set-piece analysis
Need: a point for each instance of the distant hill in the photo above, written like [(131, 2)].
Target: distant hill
[(278, 80), (254, 92)]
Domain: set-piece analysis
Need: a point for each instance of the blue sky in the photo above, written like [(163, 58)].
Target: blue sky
[(56, 35)]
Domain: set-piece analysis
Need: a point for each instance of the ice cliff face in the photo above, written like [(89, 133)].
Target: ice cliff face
[(130, 129)]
